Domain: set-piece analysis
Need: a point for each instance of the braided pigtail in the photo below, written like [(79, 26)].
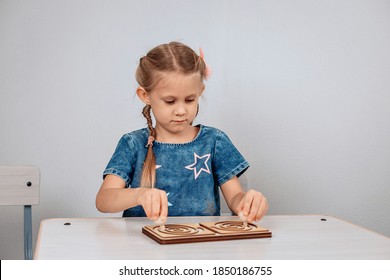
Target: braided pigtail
[(148, 177)]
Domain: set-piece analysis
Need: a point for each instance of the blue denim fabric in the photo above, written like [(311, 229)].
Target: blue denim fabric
[(190, 173)]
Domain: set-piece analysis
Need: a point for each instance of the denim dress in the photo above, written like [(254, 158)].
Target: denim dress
[(190, 173)]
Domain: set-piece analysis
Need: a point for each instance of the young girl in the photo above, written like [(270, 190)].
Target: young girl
[(173, 168)]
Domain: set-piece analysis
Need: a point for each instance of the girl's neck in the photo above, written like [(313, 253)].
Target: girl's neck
[(184, 137)]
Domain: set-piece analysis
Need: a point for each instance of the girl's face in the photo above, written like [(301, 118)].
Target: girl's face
[(174, 102)]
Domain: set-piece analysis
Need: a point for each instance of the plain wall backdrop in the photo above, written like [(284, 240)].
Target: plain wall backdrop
[(301, 87)]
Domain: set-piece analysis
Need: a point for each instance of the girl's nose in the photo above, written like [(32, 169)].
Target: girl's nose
[(180, 110)]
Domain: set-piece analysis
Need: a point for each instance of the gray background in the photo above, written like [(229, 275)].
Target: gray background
[(301, 87)]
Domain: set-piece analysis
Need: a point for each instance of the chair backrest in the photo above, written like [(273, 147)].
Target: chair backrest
[(224, 208), (19, 185)]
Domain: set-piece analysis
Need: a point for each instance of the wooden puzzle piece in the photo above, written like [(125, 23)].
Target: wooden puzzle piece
[(210, 231), (233, 227), (179, 230)]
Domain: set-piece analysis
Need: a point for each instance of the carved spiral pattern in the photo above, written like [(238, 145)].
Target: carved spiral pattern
[(176, 229), (234, 226)]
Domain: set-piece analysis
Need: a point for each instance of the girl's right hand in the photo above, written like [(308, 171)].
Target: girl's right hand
[(154, 202)]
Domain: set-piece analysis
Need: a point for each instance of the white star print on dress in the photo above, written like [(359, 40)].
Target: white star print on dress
[(199, 165), (169, 204)]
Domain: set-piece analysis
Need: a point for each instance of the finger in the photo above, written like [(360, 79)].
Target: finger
[(262, 210), (248, 199), (164, 205), (143, 199), (156, 204), (256, 203), (240, 206), (147, 204)]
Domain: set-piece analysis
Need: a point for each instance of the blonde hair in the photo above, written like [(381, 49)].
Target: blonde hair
[(171, 57)]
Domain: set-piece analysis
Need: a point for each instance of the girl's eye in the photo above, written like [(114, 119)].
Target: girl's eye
[(190, 100), (169, 101)]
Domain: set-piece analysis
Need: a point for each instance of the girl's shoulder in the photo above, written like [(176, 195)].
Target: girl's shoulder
[(209, 131), (214, 134), (136, 137), (139, 133)]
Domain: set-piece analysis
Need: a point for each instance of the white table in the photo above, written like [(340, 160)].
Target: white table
[(301, 237)]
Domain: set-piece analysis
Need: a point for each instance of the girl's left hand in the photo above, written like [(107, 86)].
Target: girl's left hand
[(254, 205)]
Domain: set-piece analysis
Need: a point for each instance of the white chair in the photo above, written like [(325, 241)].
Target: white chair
[(224, 208), (19, 185)]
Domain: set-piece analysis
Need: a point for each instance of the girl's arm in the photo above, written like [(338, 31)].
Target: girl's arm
[(252, 203), (114, 197)]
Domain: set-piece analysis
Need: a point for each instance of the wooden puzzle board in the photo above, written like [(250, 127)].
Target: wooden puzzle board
[(210, 231)]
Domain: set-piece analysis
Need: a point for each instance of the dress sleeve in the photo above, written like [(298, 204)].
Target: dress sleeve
[(121, 163), (228, 161)]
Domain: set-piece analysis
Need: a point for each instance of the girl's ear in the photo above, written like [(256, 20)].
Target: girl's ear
[(202, 89), (143, 95)]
